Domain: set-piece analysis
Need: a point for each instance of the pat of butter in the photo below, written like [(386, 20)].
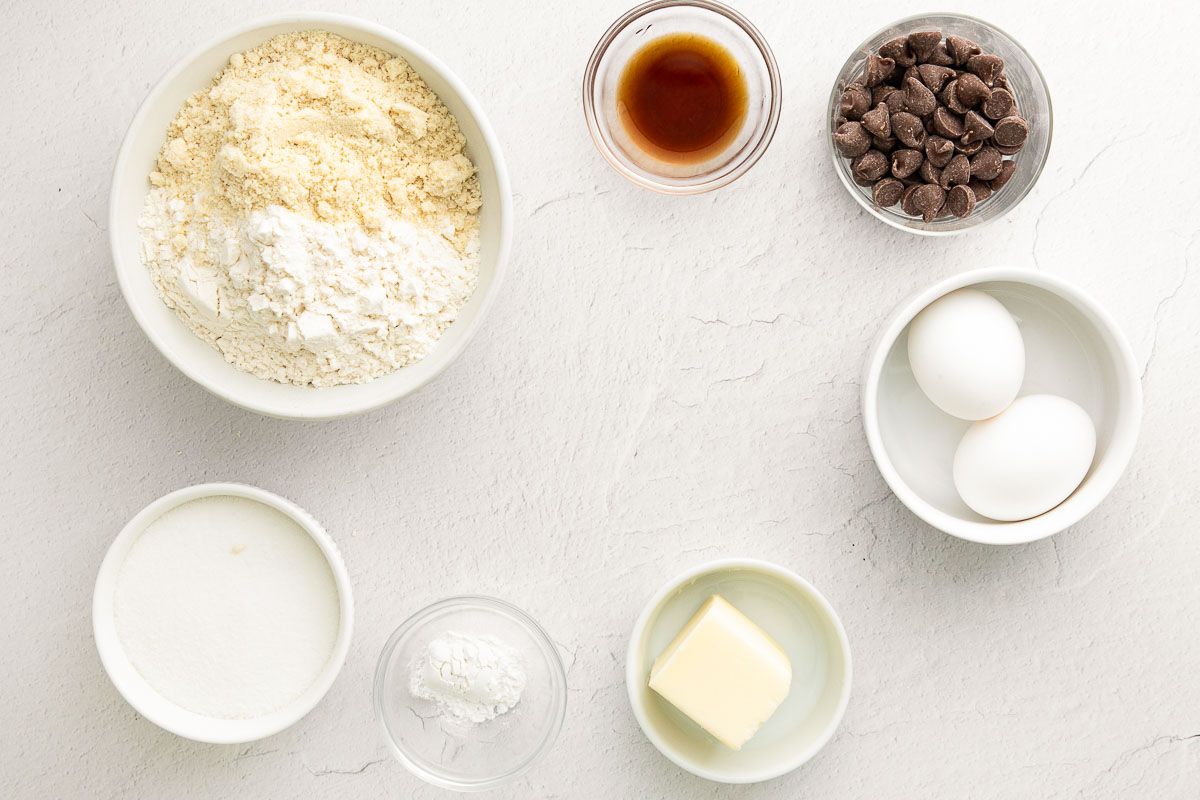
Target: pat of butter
[(724, 672)]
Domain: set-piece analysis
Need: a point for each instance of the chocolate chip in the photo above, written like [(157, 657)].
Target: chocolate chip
[(972, 90), (897, 50), (970, 148), (957, 171), (949, 97), (985, 165), (940, 56), (906, 199), (947, 123), (934, 77), (855, 101), (999, 105), (887, 192), (960, 200), (922, 43), (1011, 132), (1008, 151), (1001, 81), (918, 98), (986, 66), (928, 201), (976, 128), (851, 139), (939, 151), (877, 70), (929, 173), (981, 189), (1006, 172), (878, 122), (962, 49), (895, 99), (906, 162), (883, 145), (908, 129), (869, 167), (910, 72)]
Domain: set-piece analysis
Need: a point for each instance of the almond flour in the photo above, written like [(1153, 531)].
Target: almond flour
[(313, 214)]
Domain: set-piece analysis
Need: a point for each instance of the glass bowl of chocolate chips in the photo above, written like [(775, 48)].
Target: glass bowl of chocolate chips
[(939, 123)]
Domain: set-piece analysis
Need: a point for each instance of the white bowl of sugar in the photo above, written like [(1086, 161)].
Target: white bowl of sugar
[(223, 613), (199, 360)]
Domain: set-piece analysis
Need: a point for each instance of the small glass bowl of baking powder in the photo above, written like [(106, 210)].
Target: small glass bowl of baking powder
[(432, 740)]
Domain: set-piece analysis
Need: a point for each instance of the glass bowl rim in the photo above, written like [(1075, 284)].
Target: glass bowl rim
[(917, 226), (714, 181), (536, 632)]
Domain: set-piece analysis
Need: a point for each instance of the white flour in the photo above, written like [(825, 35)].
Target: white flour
[(227, 608), (471, 678), (313, 213), (301, 301)]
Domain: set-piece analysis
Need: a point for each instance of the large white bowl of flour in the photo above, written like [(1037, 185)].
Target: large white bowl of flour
[(194, 356), (223, 613)]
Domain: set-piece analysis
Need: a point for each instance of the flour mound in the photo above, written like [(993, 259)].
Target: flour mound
[(301, 301), (471, 678), (313, 214)]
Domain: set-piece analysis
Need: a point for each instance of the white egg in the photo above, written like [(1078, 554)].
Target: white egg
[(967, 354), (1026, 460)]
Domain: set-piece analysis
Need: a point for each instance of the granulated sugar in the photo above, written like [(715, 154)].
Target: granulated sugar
[(227, 607)]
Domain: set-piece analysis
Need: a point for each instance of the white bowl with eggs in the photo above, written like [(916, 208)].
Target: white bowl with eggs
[(1074, 353), (156, 705), (195, 357), (803, 624)]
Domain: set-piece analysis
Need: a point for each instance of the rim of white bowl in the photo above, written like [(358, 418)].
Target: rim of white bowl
[(1107, 470), (635, 672), (504, 210), (185, 723)]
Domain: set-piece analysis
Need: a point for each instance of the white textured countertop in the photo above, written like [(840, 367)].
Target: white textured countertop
[(662, 381)]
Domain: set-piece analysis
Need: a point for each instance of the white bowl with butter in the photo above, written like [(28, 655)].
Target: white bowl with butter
[(791, 614)]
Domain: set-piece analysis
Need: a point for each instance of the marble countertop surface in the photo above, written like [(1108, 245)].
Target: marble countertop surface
[(662, 381)]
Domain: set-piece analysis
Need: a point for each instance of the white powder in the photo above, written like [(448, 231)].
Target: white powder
[(227, 607), (313, 213), (471, 678), (297, 300)]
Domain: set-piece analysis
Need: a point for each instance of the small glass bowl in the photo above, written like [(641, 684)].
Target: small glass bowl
[(453, 755), (626, 37), (1026, 83)]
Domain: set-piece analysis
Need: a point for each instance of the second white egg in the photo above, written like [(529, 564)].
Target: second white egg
[(967, 354), (1025, 461)]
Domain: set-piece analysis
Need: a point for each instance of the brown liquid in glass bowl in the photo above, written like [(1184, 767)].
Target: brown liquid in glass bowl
[(682, 98)]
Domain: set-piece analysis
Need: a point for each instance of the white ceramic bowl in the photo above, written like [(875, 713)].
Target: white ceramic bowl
[(158, 709), (796, 616), (196, 358), (1073, 348)]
